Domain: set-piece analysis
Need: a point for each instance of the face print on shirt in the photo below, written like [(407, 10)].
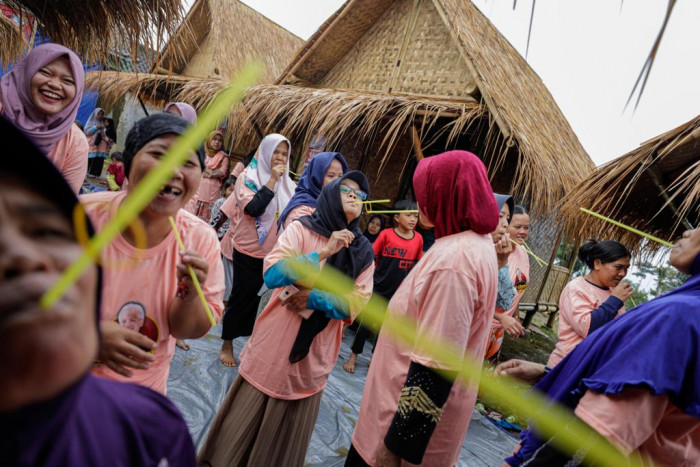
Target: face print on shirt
[(133, 316), (520, 282)]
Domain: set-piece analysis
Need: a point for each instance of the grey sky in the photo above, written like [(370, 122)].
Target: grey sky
[(588, 53)]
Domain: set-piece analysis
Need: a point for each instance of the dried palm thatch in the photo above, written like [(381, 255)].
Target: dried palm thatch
[(13, 43), (90, 27), (530, 130), (153, 88), (655, 188), (220, 36), (304, 113)]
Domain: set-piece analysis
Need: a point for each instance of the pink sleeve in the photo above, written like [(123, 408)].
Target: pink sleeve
[(576, 309), (75, 161), (362, 291), (207, 244), (289, 245), (243, 194), (446, 301), (229, 206), (296, 213), (627, 420), (224, 165), (237, 169)]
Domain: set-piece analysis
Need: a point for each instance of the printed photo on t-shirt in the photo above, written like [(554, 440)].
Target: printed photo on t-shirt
[(520, 281), (133, 316)]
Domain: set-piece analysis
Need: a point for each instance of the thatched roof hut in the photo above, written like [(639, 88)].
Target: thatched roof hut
[(655, 188), (13, 43), (91, 28), (388, 81), (214, 41)]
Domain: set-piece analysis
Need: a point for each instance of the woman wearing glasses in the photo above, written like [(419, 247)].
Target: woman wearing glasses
[(269, 413)]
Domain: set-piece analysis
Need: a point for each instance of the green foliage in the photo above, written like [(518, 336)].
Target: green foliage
[(667, 277)]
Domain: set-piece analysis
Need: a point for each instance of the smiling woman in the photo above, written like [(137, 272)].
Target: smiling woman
[(589, 302), (157, 281), (41, 96)]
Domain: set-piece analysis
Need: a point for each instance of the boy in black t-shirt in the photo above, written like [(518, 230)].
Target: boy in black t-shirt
[(396, 251)]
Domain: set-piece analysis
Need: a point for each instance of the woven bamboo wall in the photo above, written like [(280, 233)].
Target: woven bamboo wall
[(543, 234), (431, 64), (202, 62)]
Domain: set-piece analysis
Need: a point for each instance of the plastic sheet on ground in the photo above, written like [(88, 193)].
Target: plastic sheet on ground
[(198, 384)]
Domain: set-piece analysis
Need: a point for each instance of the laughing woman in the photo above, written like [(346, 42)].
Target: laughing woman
[(269, 413), (41, 96), (153, 278)]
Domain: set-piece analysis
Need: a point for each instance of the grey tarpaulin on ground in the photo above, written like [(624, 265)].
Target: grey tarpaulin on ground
[(198, 384)]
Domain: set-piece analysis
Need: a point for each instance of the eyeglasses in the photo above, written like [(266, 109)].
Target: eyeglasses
[(346, 190)]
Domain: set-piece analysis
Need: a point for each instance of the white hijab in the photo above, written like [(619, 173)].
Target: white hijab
[(93, 121), (258, 173)]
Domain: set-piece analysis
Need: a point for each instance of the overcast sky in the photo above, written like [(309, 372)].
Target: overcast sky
[(588, 53)]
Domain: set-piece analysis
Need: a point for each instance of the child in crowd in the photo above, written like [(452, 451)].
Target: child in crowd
[(115, 172), (226, 190), (396, 251)]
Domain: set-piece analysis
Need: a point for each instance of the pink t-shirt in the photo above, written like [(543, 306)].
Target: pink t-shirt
[(245, 235), (636, 420), (69, 155), (451, 293), (265, 358), (578, 299), (297, 213), (142, 283), (230, 209), (210, 188)]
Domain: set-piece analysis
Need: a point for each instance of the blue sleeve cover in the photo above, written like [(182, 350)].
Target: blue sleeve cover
[(334, 307), (605, 313), (281, 274)]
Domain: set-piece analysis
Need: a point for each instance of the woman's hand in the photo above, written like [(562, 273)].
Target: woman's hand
[(200, 266), (298, 301), (338, 240), (528, 372), (510, 325), (623, 291), (121, 348), (503, 250)]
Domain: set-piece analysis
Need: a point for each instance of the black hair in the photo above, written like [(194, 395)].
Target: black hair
[(606, 251), (79, 124), (518, 209), (247, 159), (117, 157), (406, 205), (230, 181)]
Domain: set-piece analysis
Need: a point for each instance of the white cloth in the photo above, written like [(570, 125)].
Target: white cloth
[(258, 173)]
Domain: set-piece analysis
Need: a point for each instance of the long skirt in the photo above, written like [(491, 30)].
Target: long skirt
[(242, 306), (254, 429)]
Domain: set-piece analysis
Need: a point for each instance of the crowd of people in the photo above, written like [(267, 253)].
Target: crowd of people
[(85, 382)]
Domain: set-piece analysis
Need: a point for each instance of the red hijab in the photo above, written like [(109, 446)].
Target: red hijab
[(453, 189)]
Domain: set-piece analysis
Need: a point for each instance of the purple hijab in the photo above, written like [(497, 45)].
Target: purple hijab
[(44, 130), (186, 111)]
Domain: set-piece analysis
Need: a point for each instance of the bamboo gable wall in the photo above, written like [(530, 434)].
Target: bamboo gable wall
[(408, 50)]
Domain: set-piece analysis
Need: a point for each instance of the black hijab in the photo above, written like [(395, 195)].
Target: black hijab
[(149, 128), (382, 224), (329, 217)]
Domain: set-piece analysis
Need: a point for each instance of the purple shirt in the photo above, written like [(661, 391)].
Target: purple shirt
[(97, 422)]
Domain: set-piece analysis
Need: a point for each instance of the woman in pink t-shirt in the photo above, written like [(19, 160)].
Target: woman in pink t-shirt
[(41, 96), (216, 170), (146, 282), (269, 413), (261, 194), (410, 412), (589, 302)]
